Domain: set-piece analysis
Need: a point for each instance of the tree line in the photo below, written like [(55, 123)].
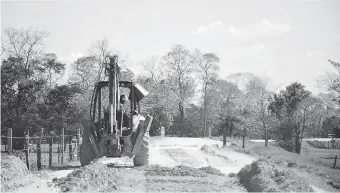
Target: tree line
[(187, 96)]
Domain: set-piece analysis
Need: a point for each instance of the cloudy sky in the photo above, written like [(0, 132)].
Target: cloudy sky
[(288, 40)]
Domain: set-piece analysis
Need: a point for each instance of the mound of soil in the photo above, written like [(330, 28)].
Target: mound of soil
[(209, 150), (96, 177), (263, 176), (156, 170), (13, 173), (211, 170)]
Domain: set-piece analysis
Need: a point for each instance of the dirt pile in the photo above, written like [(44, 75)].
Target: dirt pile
[(263, 176), (210, 150), (13, 173), (117, 162), (211, 170), (156, 170), (96, 177), (187, 179)]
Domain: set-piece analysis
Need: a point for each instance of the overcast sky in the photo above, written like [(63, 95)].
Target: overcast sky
[(288, 40)]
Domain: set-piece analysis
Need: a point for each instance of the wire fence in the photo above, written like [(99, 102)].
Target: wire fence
[(44, 151)]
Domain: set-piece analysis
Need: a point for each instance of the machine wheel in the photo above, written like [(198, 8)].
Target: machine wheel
[(142, 158)]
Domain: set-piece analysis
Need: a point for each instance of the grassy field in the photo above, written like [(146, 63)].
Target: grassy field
[(309, 154), (310, 164)]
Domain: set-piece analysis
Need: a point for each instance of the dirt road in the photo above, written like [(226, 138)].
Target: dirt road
[(169, 152)]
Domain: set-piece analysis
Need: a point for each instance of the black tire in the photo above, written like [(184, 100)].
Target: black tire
[(142, 157)]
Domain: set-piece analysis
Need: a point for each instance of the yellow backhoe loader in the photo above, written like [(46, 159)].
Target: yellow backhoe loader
[(114, 130)]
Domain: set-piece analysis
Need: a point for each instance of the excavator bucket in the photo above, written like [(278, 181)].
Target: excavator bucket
[(137, 138), (88, 149)]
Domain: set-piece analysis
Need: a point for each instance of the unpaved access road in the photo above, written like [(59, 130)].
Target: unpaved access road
[(169, 152)]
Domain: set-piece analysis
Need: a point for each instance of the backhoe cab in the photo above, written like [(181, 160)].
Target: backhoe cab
[(116, 127)]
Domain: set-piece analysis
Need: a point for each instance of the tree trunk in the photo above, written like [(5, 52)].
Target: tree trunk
[(181, 111), (297, 139), (205, 109)]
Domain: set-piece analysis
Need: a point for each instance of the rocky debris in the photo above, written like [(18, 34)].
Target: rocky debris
[(211, 170), (209, 150), (232, 175), (156, 170), (334, 184), (292, 164), (116, 162), (14, 173), (263, 176), (245, 151), (96, 177)]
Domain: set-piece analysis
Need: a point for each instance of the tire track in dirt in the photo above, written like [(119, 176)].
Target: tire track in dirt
[(181, 156), (225, 160)]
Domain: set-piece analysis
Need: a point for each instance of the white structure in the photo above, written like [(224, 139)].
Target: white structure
[(162, 131)]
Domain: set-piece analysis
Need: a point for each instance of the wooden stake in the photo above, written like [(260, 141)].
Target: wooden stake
[(244, 137), (50, 142), (58, 153), (9, 141), (39, 150), (62, 145), (27, 150), (70, 148), (335, 161), (78, 147)]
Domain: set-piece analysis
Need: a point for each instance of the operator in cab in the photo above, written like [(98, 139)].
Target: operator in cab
[(122, 118), (125, 122)]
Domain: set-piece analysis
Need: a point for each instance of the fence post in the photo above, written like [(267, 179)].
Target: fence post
[(244, 137), (58, 153), (9, 141), (50, 143), (62, 145), (335, 161), (78, 147), (39, 149), (70, 148), (328, 144), (27, 150)]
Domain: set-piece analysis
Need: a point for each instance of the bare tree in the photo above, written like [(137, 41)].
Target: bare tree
[(180, 66), (222, 98), (154, 68), (24, 43), (99, 51), (304, 116), (258, 94), (207, 67)]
